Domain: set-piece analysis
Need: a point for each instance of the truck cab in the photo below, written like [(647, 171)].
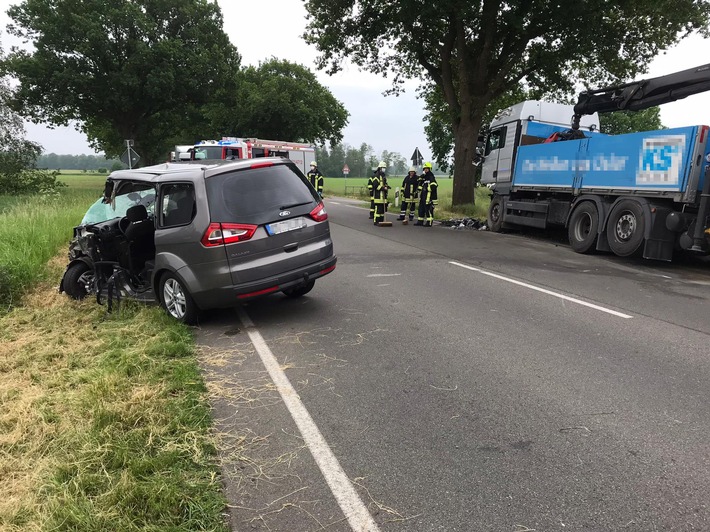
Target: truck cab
[(525, 123)]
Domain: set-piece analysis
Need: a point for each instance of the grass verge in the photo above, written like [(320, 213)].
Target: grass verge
[(104, 422), (32, 230), (104, 419)]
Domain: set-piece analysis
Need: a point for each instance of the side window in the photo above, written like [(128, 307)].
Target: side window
[(233, 153), (177, 204), (496, 139)]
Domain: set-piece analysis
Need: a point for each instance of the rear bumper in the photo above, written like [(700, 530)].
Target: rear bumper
[(233, 295)]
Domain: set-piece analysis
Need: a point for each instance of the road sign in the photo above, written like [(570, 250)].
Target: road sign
[(130, 158), (417, 158), (346, 169)]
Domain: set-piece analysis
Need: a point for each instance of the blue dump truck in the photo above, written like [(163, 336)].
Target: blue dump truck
[(642, 193)]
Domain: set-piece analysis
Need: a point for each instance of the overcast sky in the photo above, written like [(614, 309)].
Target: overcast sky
[(387, 123)]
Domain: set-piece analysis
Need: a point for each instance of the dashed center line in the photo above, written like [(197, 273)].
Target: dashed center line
[(544, 291)]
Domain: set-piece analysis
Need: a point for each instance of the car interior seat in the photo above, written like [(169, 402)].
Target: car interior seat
[(182, 213), (140, 235)]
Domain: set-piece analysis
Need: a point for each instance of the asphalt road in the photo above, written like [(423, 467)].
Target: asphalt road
[(471, 381)]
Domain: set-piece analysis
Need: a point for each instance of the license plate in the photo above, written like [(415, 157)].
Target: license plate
[(285, 226)]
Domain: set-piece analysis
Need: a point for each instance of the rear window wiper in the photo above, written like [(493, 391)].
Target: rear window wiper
[(294, 205)]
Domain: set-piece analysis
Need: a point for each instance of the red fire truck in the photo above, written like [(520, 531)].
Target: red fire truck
[(249, 148)]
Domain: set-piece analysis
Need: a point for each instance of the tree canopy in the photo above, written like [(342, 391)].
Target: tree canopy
[(622, 122), (141, 69), (476, 51), (280, 100), (18, 174)]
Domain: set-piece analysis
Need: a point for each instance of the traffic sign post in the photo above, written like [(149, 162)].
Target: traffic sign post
[(417, 158), (346, 171), (129, 157)]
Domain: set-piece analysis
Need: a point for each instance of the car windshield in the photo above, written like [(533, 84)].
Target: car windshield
[(100, 212)]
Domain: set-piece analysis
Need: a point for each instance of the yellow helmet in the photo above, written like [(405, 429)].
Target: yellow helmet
[(382, 165), (314, 163), (427, 165)]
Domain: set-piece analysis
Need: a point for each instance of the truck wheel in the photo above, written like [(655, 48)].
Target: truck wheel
[(77, 280), (495, 214), (300, 290), (176, 300), (625, 228), (583, 227)]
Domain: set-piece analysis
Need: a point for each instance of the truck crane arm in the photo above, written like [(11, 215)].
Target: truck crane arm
[(642, 94)]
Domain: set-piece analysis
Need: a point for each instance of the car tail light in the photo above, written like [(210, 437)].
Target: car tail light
[(219, 234), (319, 214), (703, 132), (262, 164)]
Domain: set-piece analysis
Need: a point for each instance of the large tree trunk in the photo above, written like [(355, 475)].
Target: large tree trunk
[(465, 140)]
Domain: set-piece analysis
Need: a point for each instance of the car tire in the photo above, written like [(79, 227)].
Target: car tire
[(76, 279), (625, 228), (176, 299), (583, 228), (301, 290), (495, 214)]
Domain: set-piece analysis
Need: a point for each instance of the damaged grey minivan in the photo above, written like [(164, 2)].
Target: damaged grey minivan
[(202, 235)]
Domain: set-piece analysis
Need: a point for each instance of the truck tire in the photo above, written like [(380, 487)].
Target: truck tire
[(583, 227), (495, 214), (625, 228)]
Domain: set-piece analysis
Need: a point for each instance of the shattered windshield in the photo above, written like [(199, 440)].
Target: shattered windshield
[(100, 212)]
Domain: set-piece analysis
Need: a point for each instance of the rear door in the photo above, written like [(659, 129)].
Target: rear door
[(274, 201)]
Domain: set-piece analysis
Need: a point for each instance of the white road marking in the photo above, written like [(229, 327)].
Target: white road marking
[(334, 202), (384, 274), (544, 291), (354, 509)]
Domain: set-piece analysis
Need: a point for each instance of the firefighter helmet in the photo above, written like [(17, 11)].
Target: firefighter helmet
[(382, 165), (427, 165), (313, 163), (412, 169)]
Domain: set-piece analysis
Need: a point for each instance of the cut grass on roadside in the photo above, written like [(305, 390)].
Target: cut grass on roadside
[(104, 420)]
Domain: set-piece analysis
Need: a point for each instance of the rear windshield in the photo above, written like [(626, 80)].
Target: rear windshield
[(257, 196)]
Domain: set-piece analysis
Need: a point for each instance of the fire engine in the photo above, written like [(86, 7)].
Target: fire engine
[(250, 148)]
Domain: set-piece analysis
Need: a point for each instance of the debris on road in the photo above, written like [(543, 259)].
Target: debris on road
[(466, 223)]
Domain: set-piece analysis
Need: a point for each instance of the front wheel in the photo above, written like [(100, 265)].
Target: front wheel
[(301, 290), (495, 214), (583, 227), (625, 229), (78, 280), (176, 300)]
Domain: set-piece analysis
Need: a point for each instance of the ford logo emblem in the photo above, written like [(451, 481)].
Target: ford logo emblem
[(284, 213)]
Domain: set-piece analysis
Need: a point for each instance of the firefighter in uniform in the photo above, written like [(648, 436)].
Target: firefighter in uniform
[(371, 193), (428, 197), (409, 195), (316, 178), (379, 193)]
